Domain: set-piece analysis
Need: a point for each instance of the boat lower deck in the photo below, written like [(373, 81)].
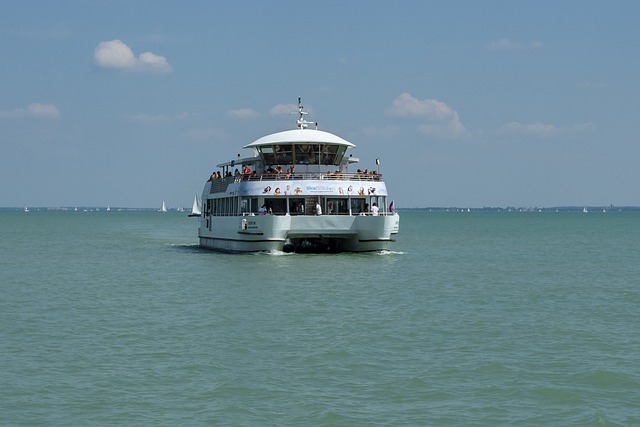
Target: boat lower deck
[(252, 233)]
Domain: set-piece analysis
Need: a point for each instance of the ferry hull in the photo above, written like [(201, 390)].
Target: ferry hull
[(337, 233), (274, 199)]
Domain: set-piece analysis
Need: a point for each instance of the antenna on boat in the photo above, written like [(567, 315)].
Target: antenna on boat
[(302, 122)]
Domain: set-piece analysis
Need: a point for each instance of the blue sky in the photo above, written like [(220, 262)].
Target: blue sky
[(466, 103)]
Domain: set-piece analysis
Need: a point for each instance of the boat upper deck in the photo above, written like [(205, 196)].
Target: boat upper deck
[(300, 154), (220, 185)]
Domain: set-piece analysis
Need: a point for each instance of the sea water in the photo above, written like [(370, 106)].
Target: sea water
[(473, 319)]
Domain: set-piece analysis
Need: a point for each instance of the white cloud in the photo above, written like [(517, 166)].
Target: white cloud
[(542, 130), (117, 55), (153, 119), (283, 109), (443, 121), (35, 110), (242, 113), (47, 111), (537, 129), (508, 44)]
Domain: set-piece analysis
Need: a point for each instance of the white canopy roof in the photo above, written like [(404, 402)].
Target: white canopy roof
[(300, 136)]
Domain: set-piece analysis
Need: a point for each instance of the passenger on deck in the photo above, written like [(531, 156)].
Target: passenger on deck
[(263, 210), (374, 209), (318, 209), (290, 172), (246, 171)]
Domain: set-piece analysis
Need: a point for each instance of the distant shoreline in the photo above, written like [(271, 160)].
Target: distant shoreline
[(590, 209), (529, 209)]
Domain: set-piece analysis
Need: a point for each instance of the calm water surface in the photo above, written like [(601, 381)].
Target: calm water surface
[(475, 319)]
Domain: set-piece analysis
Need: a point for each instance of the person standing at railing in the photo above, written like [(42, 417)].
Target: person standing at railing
[(290, 172), (374, 209)]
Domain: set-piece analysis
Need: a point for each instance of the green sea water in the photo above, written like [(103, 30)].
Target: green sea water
[(474, 319)]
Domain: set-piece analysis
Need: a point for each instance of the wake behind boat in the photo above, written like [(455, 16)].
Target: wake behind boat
[(295, 193)]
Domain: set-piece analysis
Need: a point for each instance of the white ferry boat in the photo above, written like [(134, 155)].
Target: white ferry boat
[(295, 193)]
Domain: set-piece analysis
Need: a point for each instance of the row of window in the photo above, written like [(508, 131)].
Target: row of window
[(229, 206), (302, 154)]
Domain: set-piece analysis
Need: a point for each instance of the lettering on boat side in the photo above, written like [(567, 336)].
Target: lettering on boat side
[(320, 188)]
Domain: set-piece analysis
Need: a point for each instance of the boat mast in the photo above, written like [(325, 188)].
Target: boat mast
[(302, 122)]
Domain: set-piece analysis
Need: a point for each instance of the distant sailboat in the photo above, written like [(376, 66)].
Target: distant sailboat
[(108, 209), (195, 209), (163, 208), (585, 210), (26, 209)]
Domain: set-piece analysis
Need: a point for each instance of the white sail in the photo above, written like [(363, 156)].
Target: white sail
[(163, 208), (195, 209)]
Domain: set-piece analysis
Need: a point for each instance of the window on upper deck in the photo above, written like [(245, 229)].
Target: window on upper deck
[(341, 149), (267, 154), (283, 154), (303, 154), (328, 155)]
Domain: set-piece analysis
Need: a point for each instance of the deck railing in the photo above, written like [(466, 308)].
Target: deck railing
[(245, 214), (220, 185), (331, 176)]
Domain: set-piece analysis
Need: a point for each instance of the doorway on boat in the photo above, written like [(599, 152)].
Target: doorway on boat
[(297, 206), (310, 204), (249, 205), (337, 206), (276, 205), (359, 206)]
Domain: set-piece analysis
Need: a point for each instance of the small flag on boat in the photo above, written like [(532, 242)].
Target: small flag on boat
[(391, 206)]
